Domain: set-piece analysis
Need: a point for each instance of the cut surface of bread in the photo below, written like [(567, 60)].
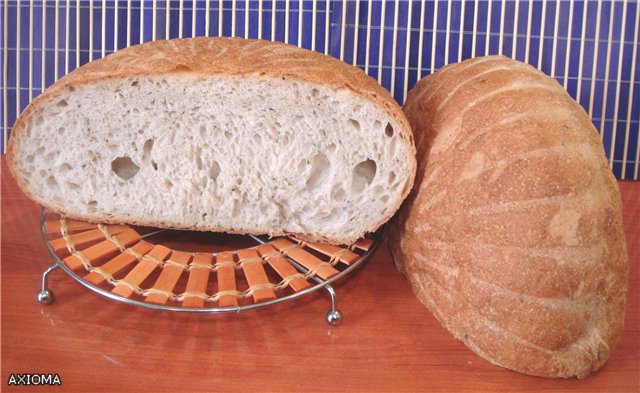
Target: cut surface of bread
[(512, 235), (237, 147)]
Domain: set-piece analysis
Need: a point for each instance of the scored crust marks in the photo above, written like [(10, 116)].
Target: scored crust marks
[(515, 197)]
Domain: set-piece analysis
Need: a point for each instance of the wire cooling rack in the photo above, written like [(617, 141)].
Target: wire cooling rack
[(189, 271)]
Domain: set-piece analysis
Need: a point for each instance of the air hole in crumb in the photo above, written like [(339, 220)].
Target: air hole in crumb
[(168, 184), (62, 103), (338, 193), (315, 92), (51, 182), (257, 139), (202, 131), (134, 83), (388, 131), (384, 199), (355, 124), (64, 168), (198, 157), (154, 165), (392, 177), (30, 158), (61, 131), (363, 175), (92, 205), (73, 186), (146, 149), (227, 135), (124, 167), (214, 170), (331, 217), (320, 168)]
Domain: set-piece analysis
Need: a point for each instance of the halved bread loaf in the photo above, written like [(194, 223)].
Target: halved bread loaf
[(513, 233), (218, 134)]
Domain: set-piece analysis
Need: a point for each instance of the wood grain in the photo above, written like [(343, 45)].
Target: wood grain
[(387, 342)]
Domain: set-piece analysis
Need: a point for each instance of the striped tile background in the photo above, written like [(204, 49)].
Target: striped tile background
[(590, 47)]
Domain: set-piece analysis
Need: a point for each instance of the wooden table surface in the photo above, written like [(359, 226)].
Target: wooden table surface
[(388, 342)]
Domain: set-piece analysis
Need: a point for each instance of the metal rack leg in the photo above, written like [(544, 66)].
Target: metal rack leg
[(45, 296), (334, 316)]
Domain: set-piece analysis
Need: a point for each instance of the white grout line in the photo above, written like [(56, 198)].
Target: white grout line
[(434, 36), (233, 19), (343, 28), (154, 30), (5, 76), (90, 30), (407, 51), (475, 28), (630, 105), (194, 17), (567, 53), (447, 33), (368, 47), (66, 37), (381, 42), (260, 19), (594, 64), (220, 14), (56, 40), (286, 20), (167, 19), (516, 25), (503, 7), (18, 46), (487, 43), (618, 77), (394, 48), (605, 94), (103, 27), (43, 65), (300, 18), (554, 46), (420, 41), (129, 23), (77, 33), (246, 19), (142, 24), (180, 17), (207, 18), (527, 48), (31, 34), (314, 19), (355, 33), (326, 27), (461, 36), (581, 59), (542, 32), (115, 29), (273, 20)]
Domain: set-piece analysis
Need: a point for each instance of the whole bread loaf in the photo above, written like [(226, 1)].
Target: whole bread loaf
[(218, 134), (512, 235)]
